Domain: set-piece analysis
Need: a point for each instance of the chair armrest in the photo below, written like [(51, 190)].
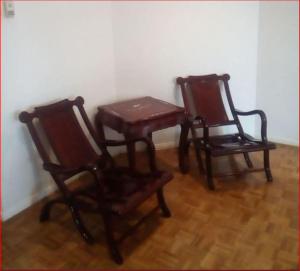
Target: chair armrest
[(91, 168), (58, 169), (137, 174), (252, 112), (115, 143), (263, 119)]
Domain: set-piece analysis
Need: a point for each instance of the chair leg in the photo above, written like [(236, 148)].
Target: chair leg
[(79, 224), (197, 149), (248, 160), (111, 242), (267, 166), (45, 212), (198, 157), (162, 203), (183, 154), (184, 148), (209, 171)]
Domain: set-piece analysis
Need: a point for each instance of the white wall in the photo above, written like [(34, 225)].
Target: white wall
[(51, 50), (277, 80), (111, 51), (157, 41)]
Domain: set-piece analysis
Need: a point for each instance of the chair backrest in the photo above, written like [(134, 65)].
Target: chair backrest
[(63, 131), (202, 97)]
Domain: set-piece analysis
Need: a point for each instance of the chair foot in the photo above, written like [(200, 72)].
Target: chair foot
[(115, 254), (162, 203), (248, 160), (269, 175), (111, 242), (267, 166), (45, 212), (210, 183), (87, 237)]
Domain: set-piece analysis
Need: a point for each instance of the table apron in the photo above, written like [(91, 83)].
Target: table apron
[(143, 129)]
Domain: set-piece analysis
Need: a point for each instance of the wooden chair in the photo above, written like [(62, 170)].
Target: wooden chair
[(205, 109), (115, 191)]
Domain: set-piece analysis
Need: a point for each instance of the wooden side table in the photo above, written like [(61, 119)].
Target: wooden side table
[(138, 118)]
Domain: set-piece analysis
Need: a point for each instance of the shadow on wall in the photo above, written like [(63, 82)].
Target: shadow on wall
[(42, 180)]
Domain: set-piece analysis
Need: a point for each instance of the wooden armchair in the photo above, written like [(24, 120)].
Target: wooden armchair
[(205, 109), (115, 191)]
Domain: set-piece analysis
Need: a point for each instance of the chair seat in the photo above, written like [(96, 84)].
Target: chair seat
[(124, 192), (234, 144)]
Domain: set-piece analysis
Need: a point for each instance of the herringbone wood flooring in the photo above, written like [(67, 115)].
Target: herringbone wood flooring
[(246, 223)]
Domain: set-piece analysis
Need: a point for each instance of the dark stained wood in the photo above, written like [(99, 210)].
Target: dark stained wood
[(205, 109), (183, 149), (136, 111), (138, 118), (210, 106), (113, 192), (65, 135)]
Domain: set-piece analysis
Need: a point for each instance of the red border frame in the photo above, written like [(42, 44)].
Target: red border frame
[(1, 169)]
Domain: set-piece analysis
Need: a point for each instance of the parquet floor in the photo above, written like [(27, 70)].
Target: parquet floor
[(246, 223)]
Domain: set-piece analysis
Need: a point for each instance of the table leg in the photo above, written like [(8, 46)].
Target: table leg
[(184, 148), (131, 153), (151, 152)]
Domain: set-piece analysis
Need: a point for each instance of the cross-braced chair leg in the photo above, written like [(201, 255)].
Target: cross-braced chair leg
[(45, 212), (267, 166), (111, 242), (45, 215), (209, 178), (185, 163), (162, 203), (198, 156), (197, 149), (248, 160), (79, 224)]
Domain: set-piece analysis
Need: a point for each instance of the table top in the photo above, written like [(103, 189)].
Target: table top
[(139, 110)]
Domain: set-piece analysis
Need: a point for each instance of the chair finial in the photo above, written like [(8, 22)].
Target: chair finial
[(24, 117), (179, 80), (79, 100)]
